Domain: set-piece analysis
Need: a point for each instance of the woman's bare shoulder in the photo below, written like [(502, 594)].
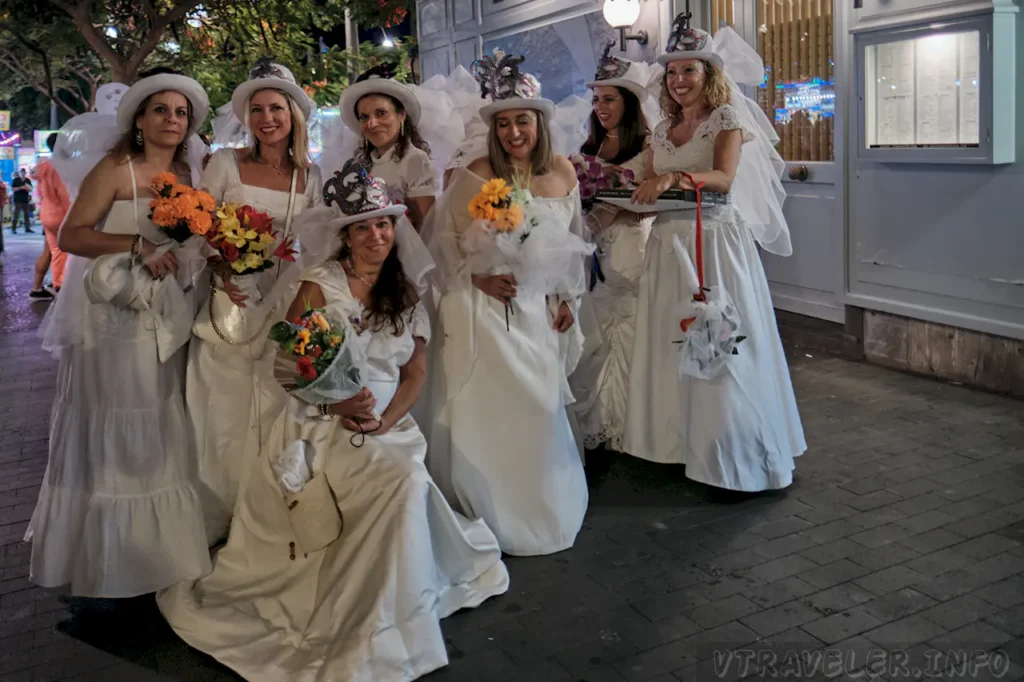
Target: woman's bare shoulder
[(482, 167)]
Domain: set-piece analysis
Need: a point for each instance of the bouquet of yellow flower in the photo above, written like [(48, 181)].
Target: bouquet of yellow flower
[(180, 211), (496, 206), (244, 237)]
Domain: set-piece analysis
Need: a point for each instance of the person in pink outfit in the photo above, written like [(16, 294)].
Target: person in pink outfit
[(54, 203)]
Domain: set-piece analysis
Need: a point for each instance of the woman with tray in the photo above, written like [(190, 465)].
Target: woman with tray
[(343, 555), (709, 384), (612, 155)]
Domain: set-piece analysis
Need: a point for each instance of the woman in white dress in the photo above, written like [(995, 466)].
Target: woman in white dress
[(501, 443), (366, 607), (386, 117), (618, 138), (231, 393), (740, 429), (118, 513)]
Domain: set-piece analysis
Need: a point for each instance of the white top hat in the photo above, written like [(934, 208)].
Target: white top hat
[(615, 72), (377, 81), (162, 82), (266, 75), (507, 87), (689, 43)]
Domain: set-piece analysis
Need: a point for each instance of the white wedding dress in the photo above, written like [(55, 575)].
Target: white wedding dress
[(118, 513), (230, 388), (600, 383), (367, 607), (501, 444), (740, 430)]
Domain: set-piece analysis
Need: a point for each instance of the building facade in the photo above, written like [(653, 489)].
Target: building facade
[(897, 119)]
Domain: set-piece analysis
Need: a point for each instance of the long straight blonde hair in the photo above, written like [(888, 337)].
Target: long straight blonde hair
[(298, 141)]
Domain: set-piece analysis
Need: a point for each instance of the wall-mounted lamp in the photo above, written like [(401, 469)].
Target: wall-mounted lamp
[(622, 14)]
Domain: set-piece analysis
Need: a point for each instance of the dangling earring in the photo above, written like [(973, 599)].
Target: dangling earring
[(401, 129), (139, 141), (184, 146)]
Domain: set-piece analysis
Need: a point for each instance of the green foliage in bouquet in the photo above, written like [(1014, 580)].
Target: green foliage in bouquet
[(312, 340)]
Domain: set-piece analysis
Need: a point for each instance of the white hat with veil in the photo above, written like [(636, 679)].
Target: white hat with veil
[(757, 193), (81, 144), (433, 107), (229, 128)]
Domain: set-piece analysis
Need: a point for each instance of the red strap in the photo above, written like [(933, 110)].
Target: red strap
[(698, 238)]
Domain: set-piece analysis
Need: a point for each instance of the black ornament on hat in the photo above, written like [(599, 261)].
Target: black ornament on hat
[(265, 68), (353, 190), (686, 39), (500, 78), (382, 71), (609, 66)]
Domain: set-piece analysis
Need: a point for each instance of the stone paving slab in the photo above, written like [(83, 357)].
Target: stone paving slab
[(900, 546)]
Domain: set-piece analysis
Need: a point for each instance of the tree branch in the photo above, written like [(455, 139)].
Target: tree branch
[(156, 33)]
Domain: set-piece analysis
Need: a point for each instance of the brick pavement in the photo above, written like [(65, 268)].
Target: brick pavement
[(902, 533)]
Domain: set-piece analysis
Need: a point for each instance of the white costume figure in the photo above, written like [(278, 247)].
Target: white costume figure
[(501, 443), (738, 429), (118, 512), (601, 382), (86, 138), (366, 607), (230, 389)]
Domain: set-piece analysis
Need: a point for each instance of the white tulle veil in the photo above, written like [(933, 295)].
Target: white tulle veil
[(757, 193)]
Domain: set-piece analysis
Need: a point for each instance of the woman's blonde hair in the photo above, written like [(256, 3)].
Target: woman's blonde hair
[(298, 140), (716, 91), (541, 160)]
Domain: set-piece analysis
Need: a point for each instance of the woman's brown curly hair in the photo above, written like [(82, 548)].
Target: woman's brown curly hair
[(408, 135), (716, 92)]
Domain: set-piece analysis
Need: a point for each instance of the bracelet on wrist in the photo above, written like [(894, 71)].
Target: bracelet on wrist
[(325, 410)]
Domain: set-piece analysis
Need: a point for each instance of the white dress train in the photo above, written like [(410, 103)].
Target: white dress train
[(740, 430), (231, 394), (367, 607), (118, 513), (501, 442)]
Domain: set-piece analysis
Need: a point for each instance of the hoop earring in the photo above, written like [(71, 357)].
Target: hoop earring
[(139, 140)]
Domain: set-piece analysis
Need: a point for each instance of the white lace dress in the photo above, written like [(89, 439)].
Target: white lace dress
[(118, 513), (600, 383), (740, 430), (501, 443), (367, 607), (230, 388), (411, 177)]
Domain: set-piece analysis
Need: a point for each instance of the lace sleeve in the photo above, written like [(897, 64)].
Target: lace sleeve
[(727, 118), (420, 175)]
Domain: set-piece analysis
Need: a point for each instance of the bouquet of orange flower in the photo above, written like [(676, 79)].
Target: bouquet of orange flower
[(180, 211), (321, 361), (537, 249), (244, 237)]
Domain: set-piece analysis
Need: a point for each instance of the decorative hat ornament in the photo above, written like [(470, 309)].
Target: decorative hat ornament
[(377, 80), (357, 195), (616, 72), (267, 74), (507, 86), (685, 42)]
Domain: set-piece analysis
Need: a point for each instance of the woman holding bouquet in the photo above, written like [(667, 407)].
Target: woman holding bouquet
[(118, 512), (366, 606), (501, 442), (231, 392), (618, 138), (738, 429)]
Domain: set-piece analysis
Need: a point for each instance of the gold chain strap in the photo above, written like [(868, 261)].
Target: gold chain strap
[(216, 328)]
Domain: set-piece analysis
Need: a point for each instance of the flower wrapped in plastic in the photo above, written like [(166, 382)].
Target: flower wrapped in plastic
[(507, 238), (320, 361), (593, 175), (709, 320)]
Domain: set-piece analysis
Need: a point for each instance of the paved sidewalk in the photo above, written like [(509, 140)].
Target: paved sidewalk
[(904, 533)]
